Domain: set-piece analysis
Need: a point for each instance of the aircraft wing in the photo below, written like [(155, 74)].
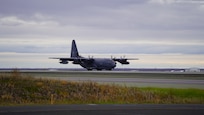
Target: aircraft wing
[(124, 60), (76, 60), (68, 59)]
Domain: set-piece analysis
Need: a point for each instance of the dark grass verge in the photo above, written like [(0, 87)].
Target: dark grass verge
[(18, 89)]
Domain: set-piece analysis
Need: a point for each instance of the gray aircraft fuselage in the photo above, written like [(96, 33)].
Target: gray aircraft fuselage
[(99, 64)]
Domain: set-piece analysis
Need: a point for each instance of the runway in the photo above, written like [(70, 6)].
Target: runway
[(128, 78), (93, 109), (141, 82)]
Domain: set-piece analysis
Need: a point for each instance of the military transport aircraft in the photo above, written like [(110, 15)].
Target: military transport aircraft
[(92, 63)]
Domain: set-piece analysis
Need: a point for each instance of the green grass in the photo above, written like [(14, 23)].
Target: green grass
[(188, 96), (19, 89)]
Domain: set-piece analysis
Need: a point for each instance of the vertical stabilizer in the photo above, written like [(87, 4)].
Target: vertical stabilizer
[(74, 51)]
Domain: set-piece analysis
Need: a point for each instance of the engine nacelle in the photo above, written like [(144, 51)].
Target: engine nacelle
[(126, 62), (63, 62), (76, 62), (123, 61)]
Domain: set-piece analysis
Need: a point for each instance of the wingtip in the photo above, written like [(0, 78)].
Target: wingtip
[(53, 58)]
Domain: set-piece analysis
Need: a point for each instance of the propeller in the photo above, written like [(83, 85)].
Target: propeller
[(113, 57), (90, 56), (122, 57)]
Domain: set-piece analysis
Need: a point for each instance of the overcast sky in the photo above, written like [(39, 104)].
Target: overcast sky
[(102, 26)]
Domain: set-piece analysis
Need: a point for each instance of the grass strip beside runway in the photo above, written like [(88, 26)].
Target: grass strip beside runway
[(20, 89)]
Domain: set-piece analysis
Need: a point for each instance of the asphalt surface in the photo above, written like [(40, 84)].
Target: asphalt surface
[(141, 82), (129, 78), (92, 109)]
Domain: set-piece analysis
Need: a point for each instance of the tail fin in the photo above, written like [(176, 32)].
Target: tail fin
[(74, 51)]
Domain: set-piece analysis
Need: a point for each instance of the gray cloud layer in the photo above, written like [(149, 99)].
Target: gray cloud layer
[(113, 26)]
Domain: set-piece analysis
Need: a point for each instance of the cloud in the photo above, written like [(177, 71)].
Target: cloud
[(176, 1), (162, 1), (10, 21), (15, 21), (145, 26)]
